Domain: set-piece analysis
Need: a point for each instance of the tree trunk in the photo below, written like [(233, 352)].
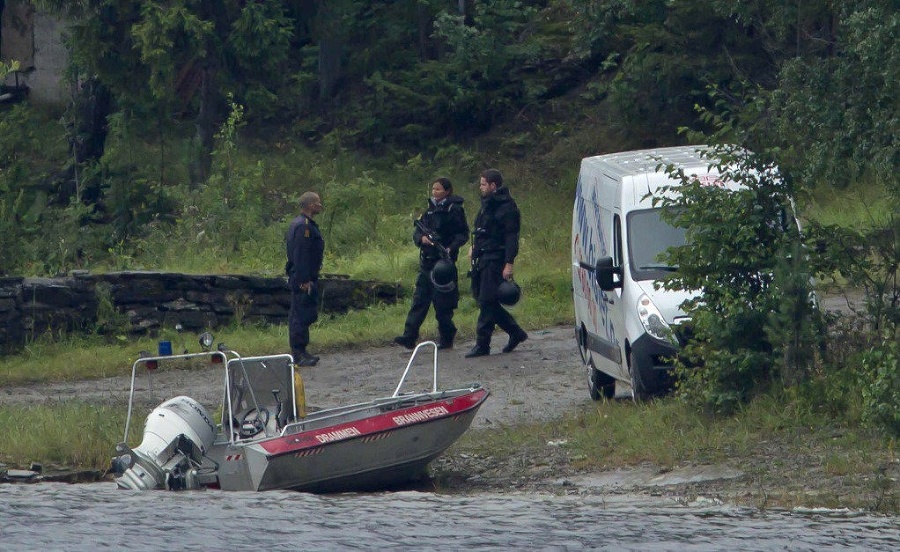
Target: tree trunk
[(86, 129), (330, 48), (423, 22), (205, 125)]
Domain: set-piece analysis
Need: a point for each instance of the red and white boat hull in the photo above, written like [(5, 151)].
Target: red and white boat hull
[(391, 443)]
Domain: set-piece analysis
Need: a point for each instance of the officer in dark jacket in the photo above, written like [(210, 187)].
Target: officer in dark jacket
[(494, 249), (439, 233), (305, 250)]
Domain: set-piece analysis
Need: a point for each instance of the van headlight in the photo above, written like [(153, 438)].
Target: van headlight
[(653, 321)]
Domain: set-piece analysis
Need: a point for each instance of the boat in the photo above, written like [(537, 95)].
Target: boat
[(266, 440)]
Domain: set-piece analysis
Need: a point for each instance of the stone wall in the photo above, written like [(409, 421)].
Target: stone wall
[(140, 303)]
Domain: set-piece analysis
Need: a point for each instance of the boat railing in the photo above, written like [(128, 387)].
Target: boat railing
[(412, 358), (222, 356), (317, 420), (151, 362)]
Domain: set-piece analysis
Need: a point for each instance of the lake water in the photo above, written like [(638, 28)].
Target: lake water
[(97, 516)]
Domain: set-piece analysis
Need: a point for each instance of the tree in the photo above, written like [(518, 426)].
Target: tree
[(182, 56), (836, 114), (752, 321)]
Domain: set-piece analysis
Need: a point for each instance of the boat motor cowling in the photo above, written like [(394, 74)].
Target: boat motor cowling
[(177, 435)]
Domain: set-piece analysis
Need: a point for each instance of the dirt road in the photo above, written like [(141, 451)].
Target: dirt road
[(538, 381)]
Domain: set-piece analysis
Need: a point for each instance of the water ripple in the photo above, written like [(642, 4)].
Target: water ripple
[(98, 516)]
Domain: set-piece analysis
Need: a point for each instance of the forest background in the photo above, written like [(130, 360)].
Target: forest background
[(194, 126)]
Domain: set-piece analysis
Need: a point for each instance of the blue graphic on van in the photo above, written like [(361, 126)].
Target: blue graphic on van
[(590, 244)]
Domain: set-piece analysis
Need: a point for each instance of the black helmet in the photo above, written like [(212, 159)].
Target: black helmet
[(443, 276), (509, 292)]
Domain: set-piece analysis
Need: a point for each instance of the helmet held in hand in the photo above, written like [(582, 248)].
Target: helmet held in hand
[(509, 292), (443, 276)]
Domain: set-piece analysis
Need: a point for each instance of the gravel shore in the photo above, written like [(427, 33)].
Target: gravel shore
[(540, 381)]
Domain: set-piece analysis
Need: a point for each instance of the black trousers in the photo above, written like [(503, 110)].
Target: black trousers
[(304, 311), (424, 296), (485, 282)]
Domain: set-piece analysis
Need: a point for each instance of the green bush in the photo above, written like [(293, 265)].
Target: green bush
[(751, 320), (879, 380), (29, 155)]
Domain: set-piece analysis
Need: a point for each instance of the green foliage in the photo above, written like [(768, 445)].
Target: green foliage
[(224, 219), (169, 35), (133, 179), (506, 56), (659, 57), (11, 238), (794, 328), (829, 109), (743, 259), (7, 68), (356, 210), (63, 241), (837, 114), (14, 183), (879, 379), (109, 320), (28, 155), (72, 434), (868, 259)]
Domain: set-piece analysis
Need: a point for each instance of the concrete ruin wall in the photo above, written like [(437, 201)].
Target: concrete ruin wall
[(35, 40), (140, 303)]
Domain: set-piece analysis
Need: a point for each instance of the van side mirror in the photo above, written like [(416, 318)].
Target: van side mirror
[(605, 271)]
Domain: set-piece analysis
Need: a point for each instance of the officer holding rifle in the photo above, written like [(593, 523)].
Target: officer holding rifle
[(439, 233)]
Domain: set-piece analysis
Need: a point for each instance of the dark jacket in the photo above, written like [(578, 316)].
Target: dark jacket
[(496, 233), (448, 220), (305, 251)]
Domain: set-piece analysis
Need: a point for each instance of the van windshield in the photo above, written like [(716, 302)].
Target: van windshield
[(648, 236)]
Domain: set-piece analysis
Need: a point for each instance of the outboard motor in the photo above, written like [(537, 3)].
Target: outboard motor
[(177, 435)]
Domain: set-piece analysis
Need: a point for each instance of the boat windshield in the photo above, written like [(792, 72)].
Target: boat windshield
[(648, 236)]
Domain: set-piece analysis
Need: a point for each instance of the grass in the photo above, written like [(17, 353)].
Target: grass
[(789, 461), (68, 434), (861, 205)]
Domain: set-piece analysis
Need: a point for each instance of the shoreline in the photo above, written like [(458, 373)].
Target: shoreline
[(539, 384)]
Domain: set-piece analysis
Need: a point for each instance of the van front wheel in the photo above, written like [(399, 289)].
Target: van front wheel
[(638, 388), (600, 384)]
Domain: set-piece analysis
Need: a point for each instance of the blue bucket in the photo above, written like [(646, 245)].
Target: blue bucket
[(165, 348)]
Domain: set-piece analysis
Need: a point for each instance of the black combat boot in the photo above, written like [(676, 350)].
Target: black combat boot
[(514, 341), (477, 351), (406, 341)]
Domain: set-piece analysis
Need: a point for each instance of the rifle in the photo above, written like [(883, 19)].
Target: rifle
[(435, 239)]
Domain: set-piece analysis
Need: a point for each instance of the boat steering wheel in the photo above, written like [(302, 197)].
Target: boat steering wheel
[(252, 421)]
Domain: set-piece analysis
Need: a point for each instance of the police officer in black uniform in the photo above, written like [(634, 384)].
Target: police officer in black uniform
[(437, 283), (494, 249), (305, 250)]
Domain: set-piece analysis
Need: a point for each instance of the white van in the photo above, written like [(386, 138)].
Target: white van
[(622, 322)]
